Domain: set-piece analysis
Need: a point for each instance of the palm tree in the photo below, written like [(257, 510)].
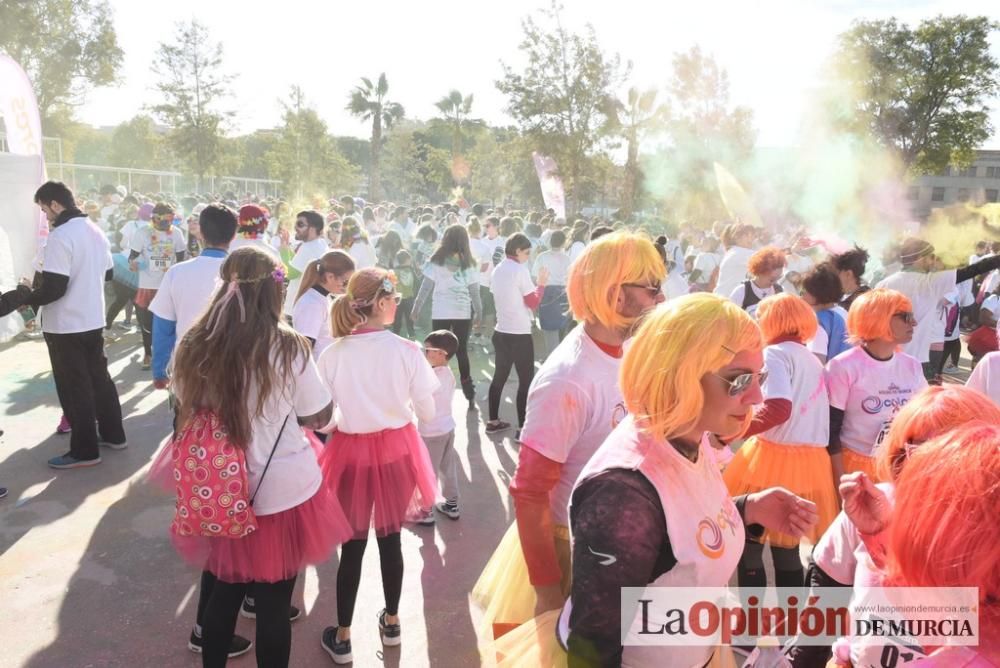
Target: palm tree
[(456, 109), (633, 119), (368, 102)]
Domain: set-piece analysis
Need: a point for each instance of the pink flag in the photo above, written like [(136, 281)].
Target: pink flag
[(552, 187)]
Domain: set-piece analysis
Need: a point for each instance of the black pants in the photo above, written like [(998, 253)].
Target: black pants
[(460, 328), (219, 605), (403, 317), (518, 351), (952, 349), (123, 295), (788, 570), (145, 318), (86, 391), (352, 552)]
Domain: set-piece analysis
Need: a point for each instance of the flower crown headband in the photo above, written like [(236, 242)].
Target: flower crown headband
[(214, 316), (388, 287)]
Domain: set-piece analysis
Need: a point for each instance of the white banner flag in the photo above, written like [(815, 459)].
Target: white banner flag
[(552, 186)]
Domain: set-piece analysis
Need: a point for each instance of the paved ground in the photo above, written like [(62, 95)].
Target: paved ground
[(88, 577)]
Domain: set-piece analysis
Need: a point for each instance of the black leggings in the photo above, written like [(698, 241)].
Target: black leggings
[(403, 317), (145, 318), (518, 351), (787, 566), (952, 349), (218, 607), (460, 328), (390, 555), (123, 295)]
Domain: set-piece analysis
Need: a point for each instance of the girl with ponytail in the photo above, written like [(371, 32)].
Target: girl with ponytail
[(322, 278), (375, 460)]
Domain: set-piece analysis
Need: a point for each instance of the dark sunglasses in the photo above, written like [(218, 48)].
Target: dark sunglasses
[(742, 382)]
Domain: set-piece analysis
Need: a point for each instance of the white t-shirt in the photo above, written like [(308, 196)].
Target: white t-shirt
[(557, 262), (363, 254), (795, 374), (573, 404), (127, 231), (732, 270), (294, 474), (706, 264), (926, 292), (443, 422), (451, 299), (799, 264), (311, 318), (308, 251), (77, 249), (374, 378), (486, 248), (260, 244), (511, 284), (675, 286), (576, 249), (870, 392), (157, 252), (821, 342), (739, 293), (986, 376), (187, 290)]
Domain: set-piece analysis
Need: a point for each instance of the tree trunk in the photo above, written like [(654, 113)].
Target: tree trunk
[(375, 180)]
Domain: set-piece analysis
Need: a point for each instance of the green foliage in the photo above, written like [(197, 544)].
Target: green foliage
[(65, 46), (138, 143), (414, 166), (559, 99), (368, 102), (921, 92), (455, 109), (634, 119), (191, 86)]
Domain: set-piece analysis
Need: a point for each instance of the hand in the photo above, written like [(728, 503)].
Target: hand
[(283, 235), (779, 510), (865, 504), (543, 277), (549, 598), (161, 383), (133, 266), (26, 282)]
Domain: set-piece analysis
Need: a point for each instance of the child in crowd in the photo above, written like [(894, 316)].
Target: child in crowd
[(439, 432), (407, 286)]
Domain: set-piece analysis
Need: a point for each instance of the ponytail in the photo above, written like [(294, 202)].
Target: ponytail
[(344, 318), (335, 262), (352, 309)]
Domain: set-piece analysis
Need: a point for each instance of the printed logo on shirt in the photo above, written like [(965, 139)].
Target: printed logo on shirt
[(893, 397), (709, 532)]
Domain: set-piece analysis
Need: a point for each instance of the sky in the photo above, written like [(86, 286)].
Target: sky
[(774, 51)]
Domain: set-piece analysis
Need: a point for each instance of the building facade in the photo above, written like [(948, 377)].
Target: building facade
[(978, 183)]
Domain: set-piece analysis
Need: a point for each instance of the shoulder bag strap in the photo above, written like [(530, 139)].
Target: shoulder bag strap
[(268, 464)]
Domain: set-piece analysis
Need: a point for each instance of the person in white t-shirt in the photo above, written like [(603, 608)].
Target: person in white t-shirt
[(312, 246), (251, 231), (787, 438), (488, 246), (869, 383), (323, 278), (240, 346), (553, 312), (354, 240), (765, 268), (516, 298), (76, 263), (926, 289), (821, 289), (573, 404), (737, 239), (439, 432), (155, 248), (704, 275), (375, 459), (187, 288)]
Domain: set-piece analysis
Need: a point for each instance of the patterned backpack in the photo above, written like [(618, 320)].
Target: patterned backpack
[(212, 485)]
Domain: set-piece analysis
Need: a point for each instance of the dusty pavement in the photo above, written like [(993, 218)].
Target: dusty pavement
[(88, 577)]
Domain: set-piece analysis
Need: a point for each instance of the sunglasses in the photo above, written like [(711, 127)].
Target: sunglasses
[(652, 288), (742, 382), (908, 318), (396, 297)]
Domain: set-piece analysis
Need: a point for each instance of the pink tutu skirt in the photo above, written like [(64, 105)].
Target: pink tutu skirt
[(283, 544), (382, 479)]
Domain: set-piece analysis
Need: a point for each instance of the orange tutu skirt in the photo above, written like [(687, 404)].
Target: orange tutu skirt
[(802, 469), (855, 462)]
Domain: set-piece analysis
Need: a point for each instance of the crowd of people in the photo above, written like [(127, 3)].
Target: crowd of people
[(741, 378)]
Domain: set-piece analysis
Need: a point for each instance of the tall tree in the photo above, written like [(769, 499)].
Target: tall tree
[(66, 47), (922, 92), (559, 98), (305, 156), (137, 143), (191, 87), (456, 109), (633, 119), (368, 102)]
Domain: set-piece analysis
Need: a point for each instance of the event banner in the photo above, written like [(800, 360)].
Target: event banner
[(552, 186)]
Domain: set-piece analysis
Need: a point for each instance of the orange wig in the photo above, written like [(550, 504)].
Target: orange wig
[(931, 412), (944, 530), (784, 315), (766, 260), (870, 317)]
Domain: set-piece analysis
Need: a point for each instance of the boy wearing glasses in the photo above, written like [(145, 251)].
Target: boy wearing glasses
[(438, 433)]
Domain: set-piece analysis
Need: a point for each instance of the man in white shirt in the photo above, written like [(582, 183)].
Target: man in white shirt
[(488, 245), (76, 264), (309, 232)]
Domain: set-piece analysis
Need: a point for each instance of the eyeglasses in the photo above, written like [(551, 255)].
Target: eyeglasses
[(742, 382), (434, 350), (396, 297), (652, 288), (908, 318)]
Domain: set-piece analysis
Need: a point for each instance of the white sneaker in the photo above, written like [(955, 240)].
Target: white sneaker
[(427, 520)]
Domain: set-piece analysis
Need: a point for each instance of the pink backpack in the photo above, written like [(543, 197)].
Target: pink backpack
[(211, 477)]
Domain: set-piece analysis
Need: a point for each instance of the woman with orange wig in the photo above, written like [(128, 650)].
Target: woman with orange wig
[(765, 268), (841, 557), (788, 438), (869, 383), (650, 507)]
